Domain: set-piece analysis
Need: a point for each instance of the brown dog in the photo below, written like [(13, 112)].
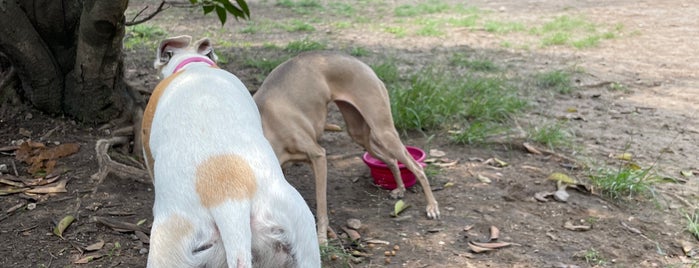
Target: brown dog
[(293, 101)]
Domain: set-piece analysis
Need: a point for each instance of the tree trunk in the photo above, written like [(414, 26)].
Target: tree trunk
[(68, 55), (98, 71)]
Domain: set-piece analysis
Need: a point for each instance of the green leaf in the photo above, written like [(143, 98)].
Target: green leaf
[(244, 6), (399, 207), (221, 12), (208, 9), (237, 13), (62, 225)]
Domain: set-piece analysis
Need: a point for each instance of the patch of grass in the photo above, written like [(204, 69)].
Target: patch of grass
[(557, 80), (503, 27), (304, 45), (265, 65), (552, 135), (397, 31), (387, 71), (296, 25), (468, 21), (436, 100), (593, 257), (341, 24), (359, 52), (618, 86), (427, 7), (143, 35), (342, 9), (301, 6), (432, 170), (335, 255), (556, 39), (461, 60), (624, 181), (430, 28), (693, 223), (577, 32)]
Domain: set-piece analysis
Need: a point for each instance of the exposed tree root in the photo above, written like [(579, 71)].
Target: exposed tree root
[(108, 166)]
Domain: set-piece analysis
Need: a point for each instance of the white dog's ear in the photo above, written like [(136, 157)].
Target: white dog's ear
[(204, 47), (167, 48)]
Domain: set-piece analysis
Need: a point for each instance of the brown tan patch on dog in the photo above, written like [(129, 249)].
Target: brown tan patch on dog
[(147, 120), (224, 177), (167, 241)]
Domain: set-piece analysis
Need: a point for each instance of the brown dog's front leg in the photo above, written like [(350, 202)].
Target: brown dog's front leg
[(320, 170)]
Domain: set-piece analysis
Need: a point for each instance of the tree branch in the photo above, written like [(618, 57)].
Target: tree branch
[(149, 17)]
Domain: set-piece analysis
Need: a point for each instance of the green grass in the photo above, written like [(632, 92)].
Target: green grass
[(462, 60), (574, 31), (557, 80), (397, 31), (297, 25), (624, 181), (436, 100), (304, 7), (553, 135), (426, 7), (265, 65), (143, 35), (304, 45), (343, 9), (692, 223), (359, 51), (468, 21), (335, 255), (503, 27), (387, 71), (430, 28), (593, 257)]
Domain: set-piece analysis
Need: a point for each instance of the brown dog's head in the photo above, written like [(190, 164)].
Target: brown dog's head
[(173, 51)]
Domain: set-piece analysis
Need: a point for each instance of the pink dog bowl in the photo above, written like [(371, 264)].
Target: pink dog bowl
[(383, 176)]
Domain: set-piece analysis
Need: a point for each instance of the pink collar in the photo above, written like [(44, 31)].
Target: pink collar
[(193, 59)]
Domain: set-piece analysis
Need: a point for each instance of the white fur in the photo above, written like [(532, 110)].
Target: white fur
[(203, 112)]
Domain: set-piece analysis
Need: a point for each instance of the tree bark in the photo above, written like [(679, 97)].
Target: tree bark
[(95, 89), (68, 55), (40, 74)]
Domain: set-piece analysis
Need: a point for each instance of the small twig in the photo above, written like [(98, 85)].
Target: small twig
[(147, 18), (120, 225), (14, 168)]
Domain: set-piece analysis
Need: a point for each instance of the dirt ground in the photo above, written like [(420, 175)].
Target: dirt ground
[(654, 118)]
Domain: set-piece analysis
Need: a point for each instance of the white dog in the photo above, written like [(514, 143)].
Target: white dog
[(221, 198)]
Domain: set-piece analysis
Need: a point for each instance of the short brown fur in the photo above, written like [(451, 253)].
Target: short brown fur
[(224, 177)]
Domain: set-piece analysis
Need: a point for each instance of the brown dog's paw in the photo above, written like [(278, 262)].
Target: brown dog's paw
[(433, 211), (397, 193)]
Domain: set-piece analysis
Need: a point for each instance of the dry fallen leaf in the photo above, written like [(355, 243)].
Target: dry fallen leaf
[(570, 226), (624, 156), (353, 235), (58, 187), (89, 258), (483, 179), (477, 249), (494, 233), (531, 149), (62, 225), (491, 245), (437, 153), (95, 246)]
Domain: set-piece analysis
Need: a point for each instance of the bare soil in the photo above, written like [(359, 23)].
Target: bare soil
[(654, 118)]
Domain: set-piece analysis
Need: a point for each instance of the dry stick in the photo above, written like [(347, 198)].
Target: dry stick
[(14, 168), (107, 165), (120, 225)]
